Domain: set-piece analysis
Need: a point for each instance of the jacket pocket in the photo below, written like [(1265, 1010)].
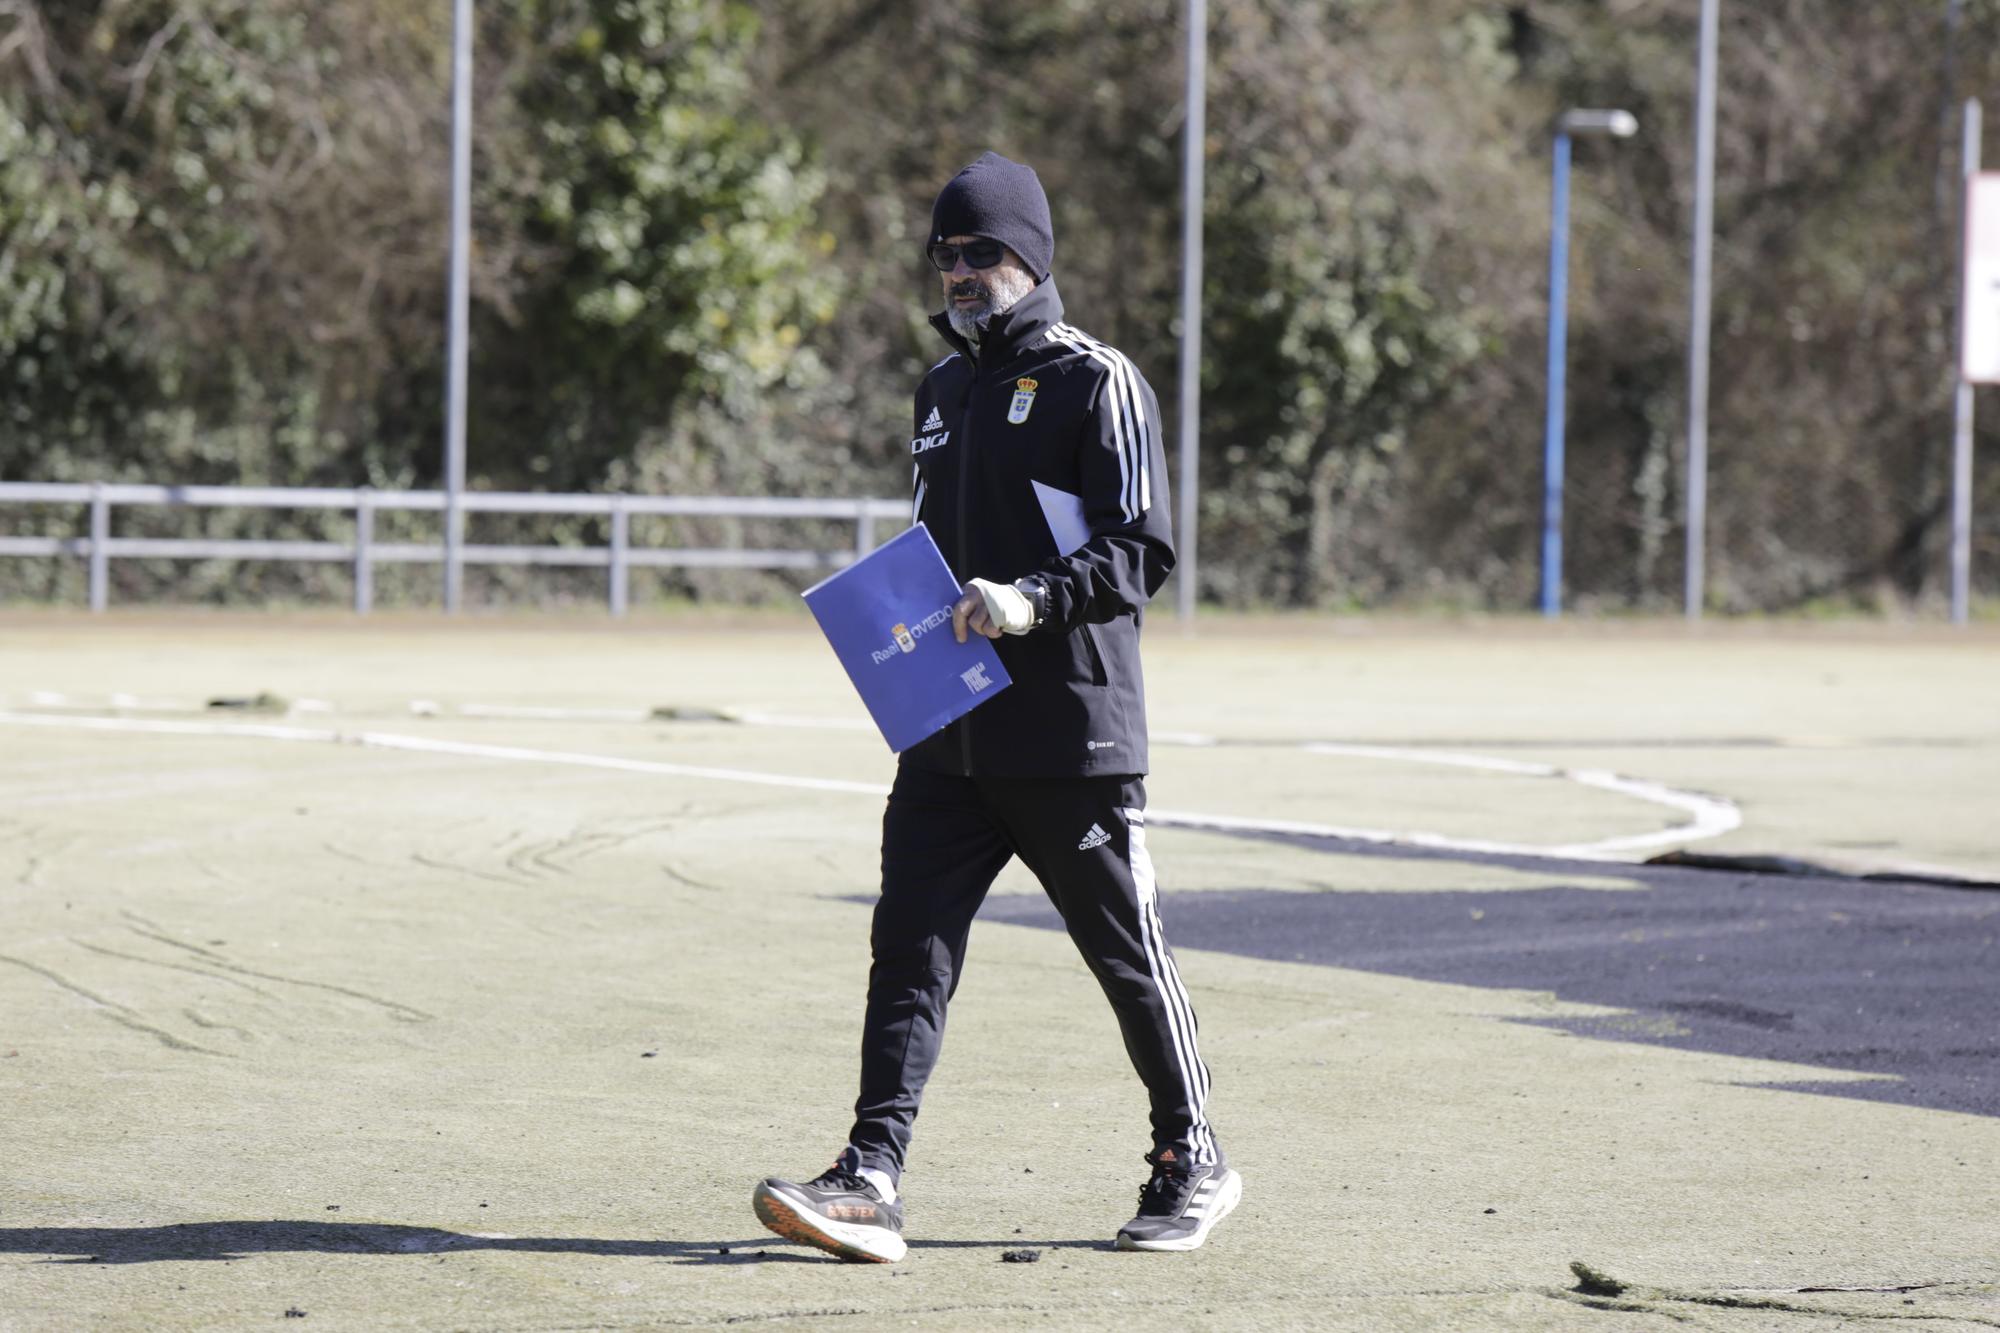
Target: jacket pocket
[(1088, 665)]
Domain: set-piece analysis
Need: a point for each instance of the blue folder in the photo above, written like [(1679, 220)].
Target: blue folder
[(888, 617)]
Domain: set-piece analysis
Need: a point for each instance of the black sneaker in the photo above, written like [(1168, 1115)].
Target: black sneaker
[(1180, 1204), (838, 1211)]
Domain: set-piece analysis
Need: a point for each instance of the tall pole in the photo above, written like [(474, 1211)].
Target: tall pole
[(1961, 435), (460, 297), (1698, 312), (1552, 432), (1951, 22), (1194, 135)]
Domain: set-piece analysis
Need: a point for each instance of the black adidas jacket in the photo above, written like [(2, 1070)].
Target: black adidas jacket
[(1040, 431)]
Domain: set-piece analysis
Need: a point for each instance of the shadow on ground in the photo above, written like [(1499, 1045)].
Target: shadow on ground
[(1869, 978), (238, 1240)]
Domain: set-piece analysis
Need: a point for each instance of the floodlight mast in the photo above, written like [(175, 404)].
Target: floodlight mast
[(1617, 125)]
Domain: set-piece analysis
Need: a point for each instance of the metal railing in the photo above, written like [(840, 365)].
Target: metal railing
[(618, 558)]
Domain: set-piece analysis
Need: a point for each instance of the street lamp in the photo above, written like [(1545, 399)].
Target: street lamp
[(1619, 125)]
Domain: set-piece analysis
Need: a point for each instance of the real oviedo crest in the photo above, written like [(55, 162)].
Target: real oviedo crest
[(1024, 399)]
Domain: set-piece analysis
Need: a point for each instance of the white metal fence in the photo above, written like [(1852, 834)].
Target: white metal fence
[(363, 552)]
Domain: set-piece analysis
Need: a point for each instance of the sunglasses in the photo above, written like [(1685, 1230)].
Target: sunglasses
[(980, 253)]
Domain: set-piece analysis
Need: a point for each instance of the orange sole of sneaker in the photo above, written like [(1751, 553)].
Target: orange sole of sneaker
[(778, 1215)]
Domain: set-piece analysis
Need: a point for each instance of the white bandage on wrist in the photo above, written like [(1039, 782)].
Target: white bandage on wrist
[(1006, 606)]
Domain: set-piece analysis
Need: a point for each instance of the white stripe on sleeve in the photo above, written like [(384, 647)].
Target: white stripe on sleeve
[(1132, 430)]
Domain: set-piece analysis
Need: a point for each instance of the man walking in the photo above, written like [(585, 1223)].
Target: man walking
[(1040, 472)]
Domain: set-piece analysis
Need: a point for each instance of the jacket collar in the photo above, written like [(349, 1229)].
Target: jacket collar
[(1010, 331)]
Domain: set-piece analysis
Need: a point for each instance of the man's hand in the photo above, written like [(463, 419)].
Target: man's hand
[(992, 609)]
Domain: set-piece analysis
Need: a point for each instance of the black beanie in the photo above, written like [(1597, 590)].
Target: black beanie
[(1003, 201)]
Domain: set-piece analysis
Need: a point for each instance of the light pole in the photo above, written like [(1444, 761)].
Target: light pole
[(1192, 149), (1976, 362), (458, 300), (1694, 580), (1620, 125)]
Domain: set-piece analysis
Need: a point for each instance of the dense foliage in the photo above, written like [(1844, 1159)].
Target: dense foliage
[(222, 229)]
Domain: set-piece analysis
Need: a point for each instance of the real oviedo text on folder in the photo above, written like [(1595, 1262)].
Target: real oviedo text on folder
[(888, 617)]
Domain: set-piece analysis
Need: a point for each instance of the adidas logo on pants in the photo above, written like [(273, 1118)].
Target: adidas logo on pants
[(944, 839)]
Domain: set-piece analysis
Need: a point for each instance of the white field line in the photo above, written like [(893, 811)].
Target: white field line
[(755, 719), (531, 713), (50, 699), (1712, 815), (749, 717), (527, 712), (383, 740), (47, 699)]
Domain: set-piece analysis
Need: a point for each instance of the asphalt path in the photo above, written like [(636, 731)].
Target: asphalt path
[(1870, 977)]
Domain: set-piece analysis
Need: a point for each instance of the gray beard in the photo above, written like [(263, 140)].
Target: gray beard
[(1005, 292)]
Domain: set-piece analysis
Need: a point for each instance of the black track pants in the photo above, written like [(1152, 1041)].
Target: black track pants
[(944, 839)]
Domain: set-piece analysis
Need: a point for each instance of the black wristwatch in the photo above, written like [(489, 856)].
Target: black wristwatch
[(1036, 589)]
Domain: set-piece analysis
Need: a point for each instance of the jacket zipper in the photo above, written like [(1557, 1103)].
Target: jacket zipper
[(964, 555)]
